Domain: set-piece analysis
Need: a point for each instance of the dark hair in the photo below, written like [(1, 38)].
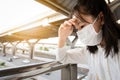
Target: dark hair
[(111, 30)]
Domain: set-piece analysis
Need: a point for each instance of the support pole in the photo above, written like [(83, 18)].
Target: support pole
[(69, 73), (32, 45), (4, 50), (14, 47)]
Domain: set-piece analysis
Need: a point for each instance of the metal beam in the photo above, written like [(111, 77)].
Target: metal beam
[(55, 6), (26, 71)]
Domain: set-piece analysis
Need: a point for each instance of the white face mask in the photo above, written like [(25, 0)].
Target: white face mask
[(89, 36)]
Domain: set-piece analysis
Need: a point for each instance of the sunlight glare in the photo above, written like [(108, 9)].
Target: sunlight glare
[(15, 13), (118, 21)]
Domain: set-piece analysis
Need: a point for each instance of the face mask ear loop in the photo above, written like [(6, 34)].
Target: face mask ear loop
[(95, 20)]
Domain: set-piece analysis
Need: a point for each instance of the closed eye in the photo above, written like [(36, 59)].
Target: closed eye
[(82, 27)]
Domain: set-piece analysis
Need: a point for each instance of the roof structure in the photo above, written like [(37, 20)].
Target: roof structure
[(46, 31)]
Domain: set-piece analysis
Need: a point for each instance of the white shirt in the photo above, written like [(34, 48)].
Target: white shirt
[(100, 67)]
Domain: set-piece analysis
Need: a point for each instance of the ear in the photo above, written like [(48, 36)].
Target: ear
[(101, 16)]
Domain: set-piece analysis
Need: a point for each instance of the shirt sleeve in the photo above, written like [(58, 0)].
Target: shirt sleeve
[(77, 55)]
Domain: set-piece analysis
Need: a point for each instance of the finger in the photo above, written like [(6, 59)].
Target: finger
[(75, 21), (67, 23), (72, 21), (64, 26)]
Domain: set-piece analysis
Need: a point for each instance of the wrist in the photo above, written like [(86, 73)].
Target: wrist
[(62, 39), (61, 42)]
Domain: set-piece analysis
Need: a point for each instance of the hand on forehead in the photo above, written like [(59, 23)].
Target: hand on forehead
[(75, 19)]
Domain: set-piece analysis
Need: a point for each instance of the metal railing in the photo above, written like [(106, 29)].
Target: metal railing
[(68, 71)]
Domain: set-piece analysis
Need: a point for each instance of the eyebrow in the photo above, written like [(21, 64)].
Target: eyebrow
[(81, 18)]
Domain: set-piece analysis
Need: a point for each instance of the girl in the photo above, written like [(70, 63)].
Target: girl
[(98, 30)]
